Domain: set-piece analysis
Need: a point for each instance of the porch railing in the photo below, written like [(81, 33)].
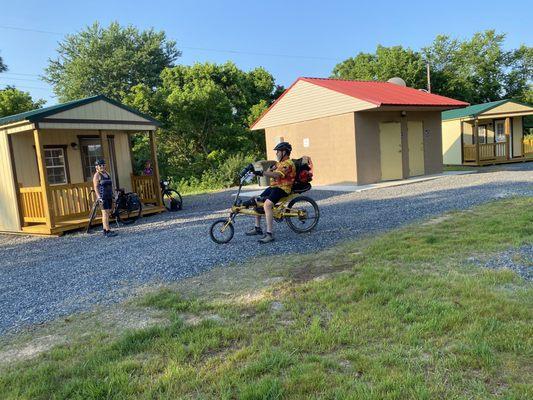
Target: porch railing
[(75, 200), (146, 187), (31, 204), (72, 200), (487, 151), (527, 147)]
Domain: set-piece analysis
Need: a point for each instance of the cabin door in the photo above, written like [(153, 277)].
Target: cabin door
[(91, 150), (390, 138), (415, 139)]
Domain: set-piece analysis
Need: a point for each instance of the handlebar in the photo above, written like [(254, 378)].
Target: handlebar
[(247, 169)]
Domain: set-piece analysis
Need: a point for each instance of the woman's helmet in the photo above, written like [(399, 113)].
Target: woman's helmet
[(284, 146), (99, 162)]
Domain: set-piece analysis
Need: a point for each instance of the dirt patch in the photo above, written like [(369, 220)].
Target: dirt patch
[(71, 329), (31, 349), (308, 272), (437, 220)]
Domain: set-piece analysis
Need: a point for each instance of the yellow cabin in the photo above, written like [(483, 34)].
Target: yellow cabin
[(488, 133), (47, 161)]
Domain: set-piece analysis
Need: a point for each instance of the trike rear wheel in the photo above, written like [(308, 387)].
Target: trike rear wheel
[(308, 214), (221, 231)]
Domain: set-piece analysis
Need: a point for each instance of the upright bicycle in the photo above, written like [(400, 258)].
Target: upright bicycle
[(127, 208), (172, 200)]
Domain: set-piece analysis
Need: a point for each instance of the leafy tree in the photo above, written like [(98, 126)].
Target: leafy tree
[(476, 70), (3, 67), (14, 101), (518, 82), (109, 61), (385, 63), (473, 70), (206, 110)]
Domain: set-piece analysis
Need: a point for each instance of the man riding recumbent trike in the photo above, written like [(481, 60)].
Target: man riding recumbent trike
[(281, 201)]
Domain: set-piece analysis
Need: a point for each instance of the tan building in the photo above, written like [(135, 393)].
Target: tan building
[(47, 161), (488, 133), (359, 131)]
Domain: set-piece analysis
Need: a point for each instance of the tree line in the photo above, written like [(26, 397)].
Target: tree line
[(206, 109)]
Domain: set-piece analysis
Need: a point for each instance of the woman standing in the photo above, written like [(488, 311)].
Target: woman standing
[(103, 186)]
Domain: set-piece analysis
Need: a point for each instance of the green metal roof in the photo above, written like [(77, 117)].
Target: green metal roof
[(36, 115), (472, 111)]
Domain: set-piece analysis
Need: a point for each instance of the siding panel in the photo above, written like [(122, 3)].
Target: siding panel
[(451, 141), (99, 110), (9, 217), (331, 146), (306, 101)]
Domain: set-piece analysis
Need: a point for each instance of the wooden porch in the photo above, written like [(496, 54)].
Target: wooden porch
[(69, 205), (495, 153), (53, 209)]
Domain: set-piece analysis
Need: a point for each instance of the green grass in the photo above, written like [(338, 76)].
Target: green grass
[(459, 168), (404, 315)]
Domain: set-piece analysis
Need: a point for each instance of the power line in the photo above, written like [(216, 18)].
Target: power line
[(20, 79), (257, 54), (15, 73), (27, 87), (231, 51), (16, 28)]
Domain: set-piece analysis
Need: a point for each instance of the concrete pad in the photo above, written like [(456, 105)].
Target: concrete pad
[(351, 188)]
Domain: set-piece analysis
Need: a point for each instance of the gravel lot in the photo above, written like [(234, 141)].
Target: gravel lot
[(45, 278)]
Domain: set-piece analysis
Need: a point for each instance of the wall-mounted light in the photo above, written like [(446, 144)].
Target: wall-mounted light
[(74, 146)]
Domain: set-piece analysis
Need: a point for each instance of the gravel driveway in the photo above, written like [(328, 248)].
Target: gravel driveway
[(44, 278)]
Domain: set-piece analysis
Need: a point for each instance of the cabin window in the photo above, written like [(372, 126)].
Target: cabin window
[(482, 134), (56, 169)]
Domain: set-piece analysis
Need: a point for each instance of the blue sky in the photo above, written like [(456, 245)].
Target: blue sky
[(315, 34)]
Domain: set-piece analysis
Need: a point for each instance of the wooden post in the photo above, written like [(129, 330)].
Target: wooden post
[(507, 129), (130, 145), (153, 150), (462, 143), (476, 138), (105, 147), (45, 187)]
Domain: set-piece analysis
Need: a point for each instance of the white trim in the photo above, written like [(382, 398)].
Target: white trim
[(56, 166)]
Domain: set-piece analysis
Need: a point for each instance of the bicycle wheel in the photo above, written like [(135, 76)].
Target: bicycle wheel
[(221, 231), (91, 216), (172, 200), (308, 217), (131, 210)]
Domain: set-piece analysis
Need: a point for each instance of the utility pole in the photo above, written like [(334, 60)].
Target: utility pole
[(429, 76)]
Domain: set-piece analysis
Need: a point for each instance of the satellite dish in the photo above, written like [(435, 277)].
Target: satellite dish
[(397, 81)]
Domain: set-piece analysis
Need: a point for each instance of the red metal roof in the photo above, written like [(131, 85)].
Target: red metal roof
[(385, 93), (379, 93)]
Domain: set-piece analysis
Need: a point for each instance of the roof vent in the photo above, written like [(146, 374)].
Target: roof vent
[(397, 81)]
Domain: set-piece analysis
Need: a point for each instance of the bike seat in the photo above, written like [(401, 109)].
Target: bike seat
[(300, 187)]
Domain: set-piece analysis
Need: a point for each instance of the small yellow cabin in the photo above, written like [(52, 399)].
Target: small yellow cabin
[(488, 133), (47, 161)]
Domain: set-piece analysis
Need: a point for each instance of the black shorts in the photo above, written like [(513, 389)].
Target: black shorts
[(274, 194), (107, 203)]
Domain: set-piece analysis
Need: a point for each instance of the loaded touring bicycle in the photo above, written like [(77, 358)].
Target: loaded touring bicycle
[(300, 212)]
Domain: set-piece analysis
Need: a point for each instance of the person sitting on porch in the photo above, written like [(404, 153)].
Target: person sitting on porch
[(148, 170), (103, 186)]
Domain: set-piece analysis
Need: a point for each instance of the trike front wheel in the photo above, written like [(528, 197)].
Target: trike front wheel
[(306, 214), (221, 231)]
